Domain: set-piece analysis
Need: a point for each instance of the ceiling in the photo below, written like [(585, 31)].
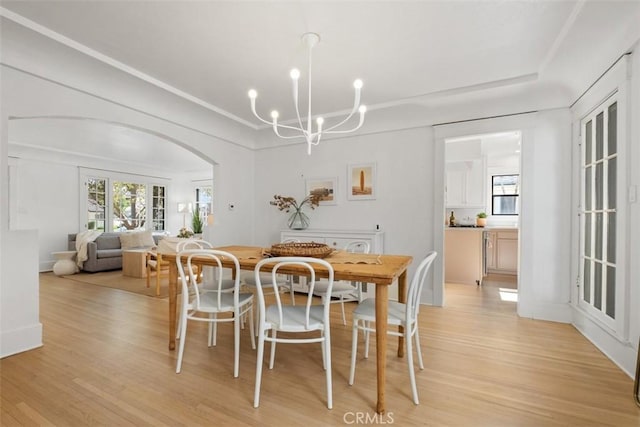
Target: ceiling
[(404, 51)]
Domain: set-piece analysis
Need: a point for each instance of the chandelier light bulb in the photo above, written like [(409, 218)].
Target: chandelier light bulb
[(300, 130)]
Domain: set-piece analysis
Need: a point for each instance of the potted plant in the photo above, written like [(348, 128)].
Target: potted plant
[(196, 222), (481, 219), (298, 219)]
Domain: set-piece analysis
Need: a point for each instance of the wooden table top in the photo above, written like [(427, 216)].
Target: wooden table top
[(390, 268)]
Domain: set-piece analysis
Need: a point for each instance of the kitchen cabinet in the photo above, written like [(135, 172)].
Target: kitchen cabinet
[(502, 251), (463, 252), (465, 184), (338, 239)]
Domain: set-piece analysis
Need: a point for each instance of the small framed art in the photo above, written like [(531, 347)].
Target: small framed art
[(325, 188), (361, 181)]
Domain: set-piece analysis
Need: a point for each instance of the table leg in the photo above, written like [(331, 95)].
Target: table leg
[(402, 297), (173, 295), (382, 304)]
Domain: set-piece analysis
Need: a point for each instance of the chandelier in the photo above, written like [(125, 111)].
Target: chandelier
[(299, 131)]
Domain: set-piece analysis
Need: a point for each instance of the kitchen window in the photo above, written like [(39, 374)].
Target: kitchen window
[(505, 192)]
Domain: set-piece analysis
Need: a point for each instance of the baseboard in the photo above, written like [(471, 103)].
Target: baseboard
[(19, 340), (621, 352)]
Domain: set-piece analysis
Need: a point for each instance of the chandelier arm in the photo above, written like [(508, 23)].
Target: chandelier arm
[(347, 130), (356, 104), (292, 128), (275, 130), (253, 109)]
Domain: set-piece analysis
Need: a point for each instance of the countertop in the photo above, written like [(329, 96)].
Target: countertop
[(490, 228)]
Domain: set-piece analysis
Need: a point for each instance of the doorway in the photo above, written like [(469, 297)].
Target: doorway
[(482, 178)]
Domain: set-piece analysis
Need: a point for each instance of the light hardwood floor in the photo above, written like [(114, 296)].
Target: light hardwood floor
[(105, 362)]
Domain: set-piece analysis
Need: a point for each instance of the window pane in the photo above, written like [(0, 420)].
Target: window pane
[(611, 237), (611, 292), (599, 136), (95, 203), (587, 189), (129, 205), (599, 183), (612, 128), (587, 281), (505, 205), (505, 184), (587, 146), (158, 208), (612, 168), (587, 234), (598, 236), (597, 286)]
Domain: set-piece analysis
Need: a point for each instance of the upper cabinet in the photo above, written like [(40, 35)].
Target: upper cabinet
[(465, 184)]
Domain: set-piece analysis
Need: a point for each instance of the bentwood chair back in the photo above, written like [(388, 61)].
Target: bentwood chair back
[(204, 306), (399, 314), (294, 320), (343, 290), (285, 281)]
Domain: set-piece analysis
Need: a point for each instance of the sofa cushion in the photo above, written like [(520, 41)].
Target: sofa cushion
[(109, 253), (136, 239), (108, 241)]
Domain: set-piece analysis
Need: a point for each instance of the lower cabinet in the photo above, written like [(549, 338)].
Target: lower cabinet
[(463, 255), (338, 239), (502, 251)]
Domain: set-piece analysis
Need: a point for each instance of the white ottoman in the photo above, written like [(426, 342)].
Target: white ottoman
[(65, 264)]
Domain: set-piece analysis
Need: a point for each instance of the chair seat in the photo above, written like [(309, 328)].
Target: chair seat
[(265, 279), (366, 310), (293, 318), (339, 288), (211, 285), (209, 302)]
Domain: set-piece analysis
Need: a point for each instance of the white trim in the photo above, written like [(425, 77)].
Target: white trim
[(19, 340), (19, 19), (459, 130)]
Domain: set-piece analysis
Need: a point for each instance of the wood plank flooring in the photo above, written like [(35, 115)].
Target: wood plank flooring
[(105, 361)]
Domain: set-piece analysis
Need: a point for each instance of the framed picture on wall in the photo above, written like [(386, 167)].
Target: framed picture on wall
[(361, 179), (325, 188)]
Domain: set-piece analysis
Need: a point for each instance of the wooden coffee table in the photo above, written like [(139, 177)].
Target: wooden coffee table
[(134, 263)]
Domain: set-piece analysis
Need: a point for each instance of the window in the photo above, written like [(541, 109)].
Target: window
[(117, 202), (158, 204), (505, 194), (96, 206), (599, 164), (129, 205), (204, 200)]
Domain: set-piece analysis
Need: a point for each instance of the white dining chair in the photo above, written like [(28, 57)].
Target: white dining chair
[(206, 279), (343, 290), (399, 314), (285, 280), (196, 302), (292, 319)]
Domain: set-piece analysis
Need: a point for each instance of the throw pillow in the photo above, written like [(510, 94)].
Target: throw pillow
[(136, 239)]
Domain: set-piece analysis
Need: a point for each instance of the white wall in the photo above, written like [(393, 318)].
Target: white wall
[(543, 293), (120, 99), (402, 208)]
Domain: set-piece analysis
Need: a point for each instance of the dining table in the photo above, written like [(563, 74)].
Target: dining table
[(383, 271)]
